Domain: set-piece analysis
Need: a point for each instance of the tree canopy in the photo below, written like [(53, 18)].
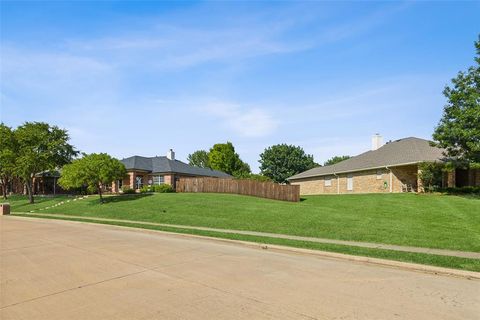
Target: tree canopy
[(222, 157), (335, 159), (8, 149), (93, 171), (199, 159), (459, 128), (281, 161), (41, 147)]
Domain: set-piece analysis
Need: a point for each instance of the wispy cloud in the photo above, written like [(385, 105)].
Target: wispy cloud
[(171, 47), (247, 122)]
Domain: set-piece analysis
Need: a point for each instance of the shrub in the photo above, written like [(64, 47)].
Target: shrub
[(431, 175), (163, 188), (462, 190), (127, 190), (146, 189)]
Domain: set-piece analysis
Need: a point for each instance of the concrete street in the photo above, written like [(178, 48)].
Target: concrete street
[(67, 270)]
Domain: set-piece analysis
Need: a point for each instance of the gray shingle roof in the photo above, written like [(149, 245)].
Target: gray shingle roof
[(404, 151), (165, 165)]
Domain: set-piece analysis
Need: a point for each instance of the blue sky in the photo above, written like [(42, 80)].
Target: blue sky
[(142, 77)]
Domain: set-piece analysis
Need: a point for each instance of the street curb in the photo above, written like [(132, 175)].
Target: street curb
[(471, 275)]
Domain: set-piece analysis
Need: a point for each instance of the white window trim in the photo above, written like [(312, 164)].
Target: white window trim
[(379, 176), (350, 177), (158, 180), (328, 182)]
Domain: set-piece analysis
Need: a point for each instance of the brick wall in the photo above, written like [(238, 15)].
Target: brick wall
[(368, 181)]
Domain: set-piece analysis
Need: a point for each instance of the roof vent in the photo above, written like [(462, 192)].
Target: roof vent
[(171, 154), (377, 141)]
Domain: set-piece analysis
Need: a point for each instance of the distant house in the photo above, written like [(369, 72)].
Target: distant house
[(160, 170), (392, 167)]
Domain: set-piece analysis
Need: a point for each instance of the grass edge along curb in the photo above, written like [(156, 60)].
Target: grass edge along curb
[(423, 259)]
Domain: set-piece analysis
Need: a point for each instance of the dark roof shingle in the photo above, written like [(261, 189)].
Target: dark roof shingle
[(165, 165), (404, 151)]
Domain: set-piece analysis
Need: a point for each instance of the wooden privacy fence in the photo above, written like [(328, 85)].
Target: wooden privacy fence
[(268, 190)]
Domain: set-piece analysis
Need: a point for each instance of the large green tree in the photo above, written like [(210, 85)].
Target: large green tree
[(41, 147), (8, 149), (281, 161), (93, 171), (199, 159), (335, 159), (222, 157), (459, 128)]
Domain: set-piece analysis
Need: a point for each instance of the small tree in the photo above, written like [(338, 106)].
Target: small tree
[(335, 159), (459, 128), (199, 159), (8, 148), (281, 161), (430, 175), (222, 156), (41, 147), (93, 171)]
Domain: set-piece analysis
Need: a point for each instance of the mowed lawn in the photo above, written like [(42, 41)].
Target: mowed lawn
[(424, 220)]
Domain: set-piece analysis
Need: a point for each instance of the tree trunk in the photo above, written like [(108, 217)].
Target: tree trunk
[(100, 192), (4, 183), (30, 191), (4, 191)]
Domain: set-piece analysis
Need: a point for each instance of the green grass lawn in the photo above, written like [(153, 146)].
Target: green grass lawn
[(434, 221), (20, 203)]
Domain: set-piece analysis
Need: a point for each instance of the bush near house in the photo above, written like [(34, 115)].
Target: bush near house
[(163, 188), (146, 189), (462, 190), (430, 174), (127, 190)]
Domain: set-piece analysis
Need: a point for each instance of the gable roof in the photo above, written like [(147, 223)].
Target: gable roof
[(165, 165), (400, 152)]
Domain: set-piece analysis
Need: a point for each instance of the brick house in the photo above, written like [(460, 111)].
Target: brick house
[(392, 167), (43, 183), (159, 170)]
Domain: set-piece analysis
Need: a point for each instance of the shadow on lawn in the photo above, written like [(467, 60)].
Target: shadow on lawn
[(38, 200)]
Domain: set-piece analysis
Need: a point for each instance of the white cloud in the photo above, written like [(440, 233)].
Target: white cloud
[(172, 47), (246, 122)]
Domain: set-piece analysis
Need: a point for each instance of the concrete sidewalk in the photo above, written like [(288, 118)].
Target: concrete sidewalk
[(53, 269), (442, 252)]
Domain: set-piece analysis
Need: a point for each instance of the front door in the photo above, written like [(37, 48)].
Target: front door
[(350, 182)]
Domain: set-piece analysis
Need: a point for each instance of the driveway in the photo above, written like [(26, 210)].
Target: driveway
[(68, 270)]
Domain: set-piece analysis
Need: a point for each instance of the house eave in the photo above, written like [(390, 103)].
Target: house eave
[(357, 170)]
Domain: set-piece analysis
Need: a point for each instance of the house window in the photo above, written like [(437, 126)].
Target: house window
[(138, 182), (158, 180), (350, 182), (379, 174), (120, 184), (328, 182)]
